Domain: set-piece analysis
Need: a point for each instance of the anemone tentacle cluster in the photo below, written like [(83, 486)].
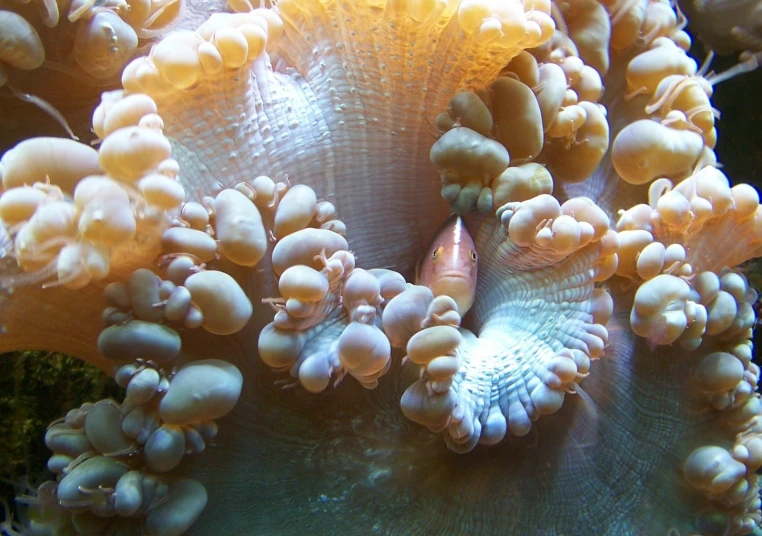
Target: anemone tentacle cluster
[(575, 137), (111, 458), (73, 209), (726, 27), (91, 40)]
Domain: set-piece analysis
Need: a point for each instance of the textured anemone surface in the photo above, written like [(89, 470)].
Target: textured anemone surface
[(600, 384)]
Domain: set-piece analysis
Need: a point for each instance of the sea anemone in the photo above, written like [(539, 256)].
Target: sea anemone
[(239, 248)]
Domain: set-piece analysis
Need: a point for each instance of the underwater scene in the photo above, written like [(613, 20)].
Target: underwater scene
[(380, 267)]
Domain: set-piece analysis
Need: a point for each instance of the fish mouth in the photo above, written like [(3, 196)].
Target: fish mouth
[(459, 286), (457, 275)]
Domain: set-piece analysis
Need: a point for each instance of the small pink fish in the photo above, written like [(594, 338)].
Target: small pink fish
[(450, 264)]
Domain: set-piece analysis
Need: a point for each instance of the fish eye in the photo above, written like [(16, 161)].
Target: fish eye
[(474, 256), (437, 252)]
